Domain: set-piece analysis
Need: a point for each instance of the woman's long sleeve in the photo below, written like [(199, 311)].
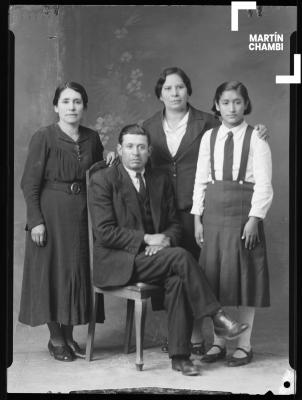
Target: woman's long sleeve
[(99, 149), (32, 179)]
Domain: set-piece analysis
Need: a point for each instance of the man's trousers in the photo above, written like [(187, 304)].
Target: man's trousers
[(188, 295)]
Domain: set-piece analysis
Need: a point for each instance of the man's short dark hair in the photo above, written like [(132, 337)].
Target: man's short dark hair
[(133, 129)]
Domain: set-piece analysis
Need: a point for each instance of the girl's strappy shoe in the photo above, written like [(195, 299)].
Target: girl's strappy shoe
[(210, 358), (237, 362)]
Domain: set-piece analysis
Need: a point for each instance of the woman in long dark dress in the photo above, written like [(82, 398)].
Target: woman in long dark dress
[(56, 280)]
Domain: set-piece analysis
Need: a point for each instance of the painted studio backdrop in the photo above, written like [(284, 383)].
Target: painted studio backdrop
[(117, 53)]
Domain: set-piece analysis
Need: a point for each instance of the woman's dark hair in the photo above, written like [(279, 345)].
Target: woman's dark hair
[(70, 85), (170, 71), (134, 129), (232, 85)]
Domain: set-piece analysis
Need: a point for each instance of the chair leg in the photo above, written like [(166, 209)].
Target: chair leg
[(91, 327), (140, 318), (129, 325)]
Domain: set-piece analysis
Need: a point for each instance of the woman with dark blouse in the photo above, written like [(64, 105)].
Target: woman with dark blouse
[(56, 278)]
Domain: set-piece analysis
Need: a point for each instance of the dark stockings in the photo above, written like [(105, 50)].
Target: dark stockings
[(60, 334)]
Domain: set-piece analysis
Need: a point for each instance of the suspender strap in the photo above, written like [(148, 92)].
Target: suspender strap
[(212, 146), (245, 153)]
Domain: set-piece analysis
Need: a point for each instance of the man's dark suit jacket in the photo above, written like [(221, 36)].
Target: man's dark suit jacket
[(117, 222), (182, 167)]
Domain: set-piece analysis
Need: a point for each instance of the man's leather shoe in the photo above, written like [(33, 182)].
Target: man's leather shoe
[(210, 358), (237, 362), (226, 327), (185, 365)]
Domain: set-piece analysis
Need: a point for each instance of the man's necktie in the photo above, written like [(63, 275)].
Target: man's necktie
[(142, 188), (228, 158)]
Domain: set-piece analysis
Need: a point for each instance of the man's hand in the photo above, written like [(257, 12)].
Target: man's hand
[(198, 231), (250, 233), (38, 235), (261, 131), (153, 249), (157, 239)]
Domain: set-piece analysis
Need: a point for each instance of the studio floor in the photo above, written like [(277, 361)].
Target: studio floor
[(34, 371)]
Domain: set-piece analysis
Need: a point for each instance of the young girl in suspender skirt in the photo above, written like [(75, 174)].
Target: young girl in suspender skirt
[(232, 194)]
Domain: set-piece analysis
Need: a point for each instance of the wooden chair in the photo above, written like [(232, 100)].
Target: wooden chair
[(136, 296)]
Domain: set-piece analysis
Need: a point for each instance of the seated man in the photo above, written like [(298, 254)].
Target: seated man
[(136, 235)]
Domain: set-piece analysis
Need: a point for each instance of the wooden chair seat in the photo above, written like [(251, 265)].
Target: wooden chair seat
[(136, 295)]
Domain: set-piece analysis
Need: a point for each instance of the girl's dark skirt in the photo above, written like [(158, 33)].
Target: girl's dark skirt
[(238, 276)]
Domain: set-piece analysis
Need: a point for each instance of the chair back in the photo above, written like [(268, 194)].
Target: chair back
[(94, 168)]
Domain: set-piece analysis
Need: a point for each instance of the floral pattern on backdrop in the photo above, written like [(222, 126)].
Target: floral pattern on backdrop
[(120, 92)]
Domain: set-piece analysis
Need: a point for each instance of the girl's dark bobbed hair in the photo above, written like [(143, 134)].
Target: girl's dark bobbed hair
[(232, 85)]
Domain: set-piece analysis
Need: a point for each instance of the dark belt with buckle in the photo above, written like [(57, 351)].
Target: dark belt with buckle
[(68, 187)]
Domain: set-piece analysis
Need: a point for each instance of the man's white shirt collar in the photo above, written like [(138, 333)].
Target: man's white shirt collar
[(133, 173)]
